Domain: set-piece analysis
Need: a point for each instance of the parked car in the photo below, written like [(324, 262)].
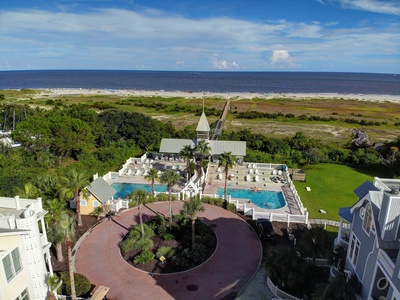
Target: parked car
[(265, 229)]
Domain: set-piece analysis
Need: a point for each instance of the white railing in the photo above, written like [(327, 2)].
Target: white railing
[(278, 292), (329, 222), (279, 217)]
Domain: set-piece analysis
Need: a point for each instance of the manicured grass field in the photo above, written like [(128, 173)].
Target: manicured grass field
[(332, 187)]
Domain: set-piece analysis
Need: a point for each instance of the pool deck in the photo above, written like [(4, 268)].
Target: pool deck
[(240, 177)]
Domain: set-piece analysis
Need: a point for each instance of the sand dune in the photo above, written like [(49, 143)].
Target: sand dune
[(54, 92)]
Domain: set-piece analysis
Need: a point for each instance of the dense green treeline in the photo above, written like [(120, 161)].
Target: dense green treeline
[(92, 142)]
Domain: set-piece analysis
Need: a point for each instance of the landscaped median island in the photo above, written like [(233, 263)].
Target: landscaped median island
[(165, 249)]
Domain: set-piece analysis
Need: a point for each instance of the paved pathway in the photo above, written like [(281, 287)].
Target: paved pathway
[(223, 276)]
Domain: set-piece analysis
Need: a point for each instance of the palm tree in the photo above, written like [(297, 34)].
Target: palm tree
[(281, 263), (170, 177), (56, 208), (55, 235), (316, 241), (53, 282), (190, 210), (74, 181), (29, 191), (152, 175), (187, 153), (226, 160), (140, 196), (203, 149), (67, 228)]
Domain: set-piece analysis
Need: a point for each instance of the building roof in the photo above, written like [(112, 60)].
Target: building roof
[(175, 145), (100, 189), (345, 213), (238, 148), (363, 189), (203, 123)]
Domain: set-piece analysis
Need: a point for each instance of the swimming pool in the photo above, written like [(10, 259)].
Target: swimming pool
[(124, 189), (262, 199)]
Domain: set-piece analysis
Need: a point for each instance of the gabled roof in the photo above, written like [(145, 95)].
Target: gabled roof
[(101, 190), (345, 213), (363, 189), (238, 148), (203, 123), (174, 145)]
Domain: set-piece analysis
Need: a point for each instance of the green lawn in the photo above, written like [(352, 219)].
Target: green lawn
[(332, 187)]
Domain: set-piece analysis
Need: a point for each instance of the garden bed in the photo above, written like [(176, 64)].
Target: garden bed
[(174, 244)]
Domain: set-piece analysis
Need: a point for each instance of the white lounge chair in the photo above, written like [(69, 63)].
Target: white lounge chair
[(129, 173), (274, 172), (247, 178), (280, 173), (137, 173), (251, 171), (256, 178), (256, 171)]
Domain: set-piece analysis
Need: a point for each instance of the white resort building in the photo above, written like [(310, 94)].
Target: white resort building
[(24, 250)]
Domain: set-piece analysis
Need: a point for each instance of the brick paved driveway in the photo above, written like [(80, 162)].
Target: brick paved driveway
[(223, 276)]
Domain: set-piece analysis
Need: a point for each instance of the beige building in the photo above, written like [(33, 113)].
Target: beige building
[(24, 249)]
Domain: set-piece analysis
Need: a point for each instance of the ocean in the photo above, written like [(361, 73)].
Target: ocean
[(257, 82)]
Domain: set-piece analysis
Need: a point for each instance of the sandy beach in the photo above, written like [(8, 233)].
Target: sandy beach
[(56, 92)]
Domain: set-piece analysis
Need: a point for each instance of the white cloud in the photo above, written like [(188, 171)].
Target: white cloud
[(281, 58), (221, 64), (376, 6), (125, 39)]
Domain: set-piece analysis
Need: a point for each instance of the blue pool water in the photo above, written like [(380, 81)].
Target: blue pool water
[(263, 199), (124, 189)]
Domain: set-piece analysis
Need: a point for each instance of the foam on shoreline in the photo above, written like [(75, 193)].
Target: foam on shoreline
[(54, 92)]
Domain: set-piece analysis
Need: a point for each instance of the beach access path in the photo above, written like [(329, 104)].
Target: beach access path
[(234, 263)]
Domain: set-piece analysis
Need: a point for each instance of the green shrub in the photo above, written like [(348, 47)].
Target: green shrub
[(127, 245), (168, 237), (143, 244), (144, 258), (162, 197), (231, 207), (134, 235), (82, 284), (167, 252)]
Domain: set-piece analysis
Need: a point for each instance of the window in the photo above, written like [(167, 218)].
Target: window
[(367, 219), (24, 295), (382, 283), (354, 249), (12, 264), (83, 203), (95, 203)]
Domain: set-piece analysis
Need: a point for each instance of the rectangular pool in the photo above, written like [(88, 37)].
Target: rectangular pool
[(124, 189), (262, 199)]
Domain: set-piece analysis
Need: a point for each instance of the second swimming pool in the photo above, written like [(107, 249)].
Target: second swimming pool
[(124, 189), (262, 199)]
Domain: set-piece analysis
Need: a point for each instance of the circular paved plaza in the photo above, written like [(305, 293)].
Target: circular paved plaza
[(223, 276)]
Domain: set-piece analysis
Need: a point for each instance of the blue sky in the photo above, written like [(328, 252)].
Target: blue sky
[(201, 35)]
